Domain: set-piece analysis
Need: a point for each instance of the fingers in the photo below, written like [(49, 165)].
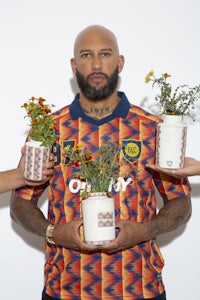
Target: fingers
[(173, 172), (23, 150)]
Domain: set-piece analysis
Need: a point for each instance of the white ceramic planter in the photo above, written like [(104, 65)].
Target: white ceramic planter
[(98, 219), (171, 142), (36, 157)]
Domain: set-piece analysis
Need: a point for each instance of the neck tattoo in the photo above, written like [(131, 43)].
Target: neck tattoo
[(99, 112)]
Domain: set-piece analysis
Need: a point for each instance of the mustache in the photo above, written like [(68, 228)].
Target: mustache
[(97, 73)]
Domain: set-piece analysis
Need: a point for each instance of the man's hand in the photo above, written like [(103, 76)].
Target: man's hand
[(68, 236), (191, 168), (173, 214), (130, 234)]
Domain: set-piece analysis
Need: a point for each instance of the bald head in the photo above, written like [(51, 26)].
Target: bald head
[(93, 35)]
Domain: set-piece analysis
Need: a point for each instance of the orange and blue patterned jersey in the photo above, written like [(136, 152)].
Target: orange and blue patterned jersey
[(134, 273)]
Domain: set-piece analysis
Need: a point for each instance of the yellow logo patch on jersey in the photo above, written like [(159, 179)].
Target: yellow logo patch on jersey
[(131, 149)]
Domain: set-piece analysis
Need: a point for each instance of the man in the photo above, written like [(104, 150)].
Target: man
[(191, 168), (130, 267), (12, 179)]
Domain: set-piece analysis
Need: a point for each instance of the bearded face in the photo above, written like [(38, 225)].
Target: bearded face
[(97, 93)]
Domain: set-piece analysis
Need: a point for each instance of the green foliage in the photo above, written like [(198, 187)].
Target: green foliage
[(41, 122), (181, 101), (99, 171)]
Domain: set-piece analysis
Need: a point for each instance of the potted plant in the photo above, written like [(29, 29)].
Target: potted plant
[(40, 137), (98, 172), (174, 105)]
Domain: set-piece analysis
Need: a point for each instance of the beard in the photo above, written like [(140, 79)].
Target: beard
[(96, 94)]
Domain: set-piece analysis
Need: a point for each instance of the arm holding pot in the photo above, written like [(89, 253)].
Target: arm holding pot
[(191, 168), (14, 178)]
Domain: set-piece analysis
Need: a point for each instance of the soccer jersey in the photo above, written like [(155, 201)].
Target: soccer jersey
[(130, 274)]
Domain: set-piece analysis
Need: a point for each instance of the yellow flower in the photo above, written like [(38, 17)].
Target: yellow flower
[(148, 76), (77, 147)]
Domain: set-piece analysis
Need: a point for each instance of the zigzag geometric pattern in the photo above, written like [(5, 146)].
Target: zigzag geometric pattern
[(132, 274), (35, 160), (105, 219)]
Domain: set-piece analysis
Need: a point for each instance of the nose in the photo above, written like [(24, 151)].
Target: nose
[(97, 63)]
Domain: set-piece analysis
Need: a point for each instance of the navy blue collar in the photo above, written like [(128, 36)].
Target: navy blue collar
[(121, 110)]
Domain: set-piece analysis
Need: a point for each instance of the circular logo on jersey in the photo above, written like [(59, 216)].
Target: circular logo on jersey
[(132, 149)]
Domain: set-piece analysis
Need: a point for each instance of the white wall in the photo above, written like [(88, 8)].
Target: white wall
[(36, 46)]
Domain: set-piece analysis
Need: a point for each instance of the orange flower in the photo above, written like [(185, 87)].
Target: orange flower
[(41, 100), (52, 126), (165, 75), (42, 123), (25, 105), (87, 157), (34, 121)]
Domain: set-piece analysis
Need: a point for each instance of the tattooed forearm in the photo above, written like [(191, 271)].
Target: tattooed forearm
[(28, 215), (173, 214)]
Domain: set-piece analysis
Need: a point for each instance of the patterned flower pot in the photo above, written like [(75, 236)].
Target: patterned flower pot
[(171, 142), (36, 157), (98, 219)]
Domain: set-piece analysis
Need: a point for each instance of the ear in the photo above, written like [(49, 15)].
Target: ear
[(73, 65), (120, 63)]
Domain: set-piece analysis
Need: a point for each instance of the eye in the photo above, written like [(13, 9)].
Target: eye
[(85, 55), (105, 54)]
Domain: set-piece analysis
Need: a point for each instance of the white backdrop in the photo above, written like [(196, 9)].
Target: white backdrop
[(36, 46)]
